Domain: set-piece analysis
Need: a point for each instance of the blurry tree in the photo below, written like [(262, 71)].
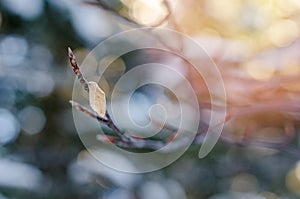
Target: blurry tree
[(255, 45)]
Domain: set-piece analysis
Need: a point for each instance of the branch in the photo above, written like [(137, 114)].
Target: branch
[(109, 122), (88, 112), (114, 127), (76, 70), (125, 140)]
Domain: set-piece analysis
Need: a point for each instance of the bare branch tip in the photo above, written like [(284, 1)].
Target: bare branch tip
[(70, 52), (74, 104)]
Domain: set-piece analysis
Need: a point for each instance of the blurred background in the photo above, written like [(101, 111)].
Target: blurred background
[(255, 44)]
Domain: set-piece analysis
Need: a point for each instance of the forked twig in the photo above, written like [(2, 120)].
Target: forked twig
[(108, 121), (88, 112), (124, 140)]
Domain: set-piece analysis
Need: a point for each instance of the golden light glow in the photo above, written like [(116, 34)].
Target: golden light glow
[(146, 12), (283, 32), (290, 69), (297, 171), (211, 32), (293, 179), (286, 7), (216, 9), (259, 70), (296, 3), (293, 86)]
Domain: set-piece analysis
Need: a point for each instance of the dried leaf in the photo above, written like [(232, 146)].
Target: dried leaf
[(97, 98)]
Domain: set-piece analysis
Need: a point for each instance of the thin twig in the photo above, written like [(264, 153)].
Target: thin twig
[(108, 122), (88, 112), (126, 140), (114, 127), (77, 71)]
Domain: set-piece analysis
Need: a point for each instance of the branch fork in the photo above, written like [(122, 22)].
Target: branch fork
[(123, 139)]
